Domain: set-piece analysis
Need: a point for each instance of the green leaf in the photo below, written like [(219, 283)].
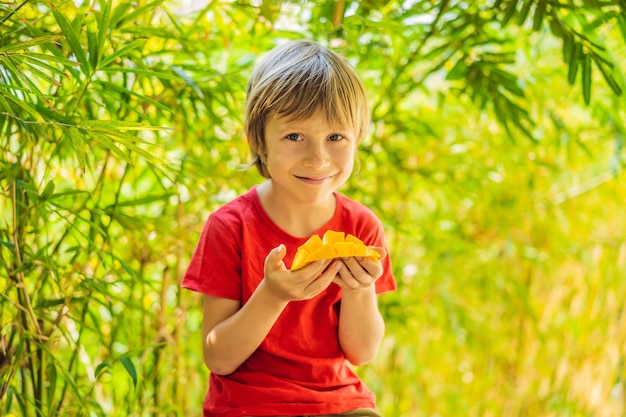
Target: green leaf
[(608, 77), (20, 46), (72, 39), (121, 52), (25, 107), (458, 71), (102, 369), (146, 99), (105, 20), (9, 401), (621, 23), (556, 26), (586, 78), (139, 11), (540, 12), (120, 11), (51, 372), (108, 144), (147, 73), (37, 72), (48, 190), (509, 11), (36, 59), (574, 55), (523, 13), (92, 42), (79, 147), (144, 200), (117, 124), (130, 368), (19, 77)]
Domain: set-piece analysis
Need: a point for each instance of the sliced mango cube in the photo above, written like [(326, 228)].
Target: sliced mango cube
[(332, 245), (312, 244), (331, 237)]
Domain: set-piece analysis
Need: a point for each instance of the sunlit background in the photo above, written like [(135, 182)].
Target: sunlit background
[(495, 160)]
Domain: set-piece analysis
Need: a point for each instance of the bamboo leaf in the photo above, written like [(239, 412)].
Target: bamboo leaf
[(50, 58), (121, 52), (139, 11), (130, 368), (37, 72), (120, 11), (127, 140), (72, 39), (105, 20), (51, 371), (92, 42), (144, 200), (556, 26), (574, 61), (523, 13), (25, 107), (458, 71), (20, 46), (509, 11), (116, 124), (48, 190), (79, 147), (540, 12), (621, 23), (143, 98), (586, 78), (36, 60), (110, 145), (101, 369), (610, 80), (138, 71), (19, 75)]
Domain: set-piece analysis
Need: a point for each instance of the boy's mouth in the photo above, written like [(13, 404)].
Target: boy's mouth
[(314, 180)]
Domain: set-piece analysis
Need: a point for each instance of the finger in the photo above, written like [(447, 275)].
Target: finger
[(363, 271), (351, 279), (314, 269), (359, 265), (321, 282), (274, 259), (381, 251)]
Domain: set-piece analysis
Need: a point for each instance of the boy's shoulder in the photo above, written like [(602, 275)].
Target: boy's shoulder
[(238, 208), (354, 208)]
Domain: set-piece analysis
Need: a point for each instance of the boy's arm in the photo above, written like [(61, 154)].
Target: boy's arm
[(361, 326), (231, 334)]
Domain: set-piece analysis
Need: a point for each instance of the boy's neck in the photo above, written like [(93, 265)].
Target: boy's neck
[(293, 217)]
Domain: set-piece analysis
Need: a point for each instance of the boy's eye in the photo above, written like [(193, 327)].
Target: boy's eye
[(335, 137), (293, 136)]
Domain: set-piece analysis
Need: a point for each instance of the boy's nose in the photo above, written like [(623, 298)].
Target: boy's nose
[(317, 157)]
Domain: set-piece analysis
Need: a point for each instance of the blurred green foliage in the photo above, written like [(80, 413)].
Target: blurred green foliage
[(495, 160)]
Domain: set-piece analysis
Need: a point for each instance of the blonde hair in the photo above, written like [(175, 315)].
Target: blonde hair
[(296, 80)]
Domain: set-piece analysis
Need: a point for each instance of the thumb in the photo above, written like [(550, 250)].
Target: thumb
[(274, 259)]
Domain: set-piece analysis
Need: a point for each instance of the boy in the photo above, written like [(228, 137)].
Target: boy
[(280, 342)]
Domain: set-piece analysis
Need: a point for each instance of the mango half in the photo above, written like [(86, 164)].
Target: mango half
[(332, 245)]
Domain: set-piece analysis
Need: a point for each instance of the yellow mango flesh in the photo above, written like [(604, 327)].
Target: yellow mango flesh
[(332, 245)]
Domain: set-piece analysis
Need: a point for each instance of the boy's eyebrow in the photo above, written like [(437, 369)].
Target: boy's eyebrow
[(289, 124)]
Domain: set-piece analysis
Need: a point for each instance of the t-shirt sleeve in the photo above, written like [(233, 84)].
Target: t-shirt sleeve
[(215, 265)]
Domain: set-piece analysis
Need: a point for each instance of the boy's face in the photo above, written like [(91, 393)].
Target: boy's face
[(308, 159)]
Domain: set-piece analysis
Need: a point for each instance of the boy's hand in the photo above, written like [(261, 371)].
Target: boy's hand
[(302, 284), (357, 273)]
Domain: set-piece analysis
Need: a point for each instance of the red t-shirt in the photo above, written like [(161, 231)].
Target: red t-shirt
[(299, 368)]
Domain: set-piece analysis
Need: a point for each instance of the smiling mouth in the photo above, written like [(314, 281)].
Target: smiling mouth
[(310, 180)]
